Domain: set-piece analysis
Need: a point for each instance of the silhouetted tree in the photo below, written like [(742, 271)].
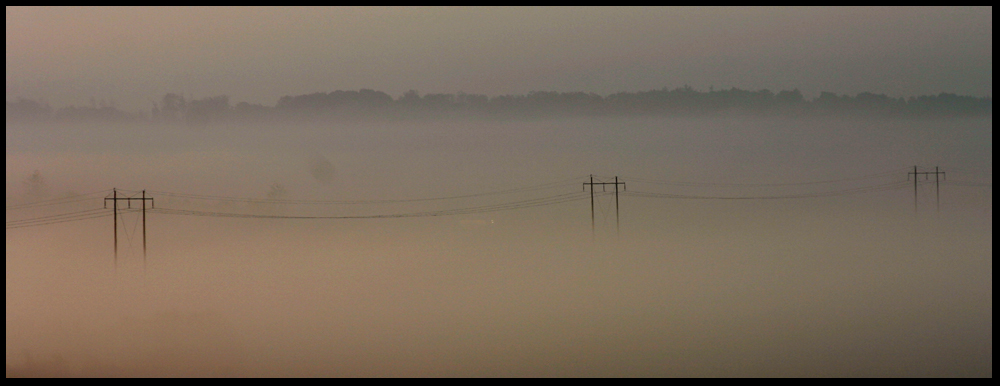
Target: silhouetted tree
[(472, 101), (26, 109), (95, 114), (248, 111), (172, 107), (204, 111), (793, 97), (665, 101)]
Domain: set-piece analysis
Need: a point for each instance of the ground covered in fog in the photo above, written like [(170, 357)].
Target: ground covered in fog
[(852, 283)]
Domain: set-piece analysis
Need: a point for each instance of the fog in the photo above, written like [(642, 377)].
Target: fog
[(499, 191), (835, 285)]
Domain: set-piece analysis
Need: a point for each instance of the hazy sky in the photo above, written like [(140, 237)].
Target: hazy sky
[(133, 55)]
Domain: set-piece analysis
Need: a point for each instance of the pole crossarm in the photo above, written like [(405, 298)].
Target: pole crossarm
[(129, 200), (603, 185)]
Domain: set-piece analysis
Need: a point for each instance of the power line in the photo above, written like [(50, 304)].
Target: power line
[(552, 200), (54, 216), (970, 170), (715, 184), (527, 203), (551, 185), (617, 184), (99, 213), (58, 219), (968, 184), (867, 189), (58, 201)]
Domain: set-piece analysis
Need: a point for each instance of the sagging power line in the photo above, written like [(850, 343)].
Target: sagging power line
[(550, 185), (58, 219), (545, 201), (618, 184), (99, 213), (76, 198), (592, 182), (783, 184), (833, 193)]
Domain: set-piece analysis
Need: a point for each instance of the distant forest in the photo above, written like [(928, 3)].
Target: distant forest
[(366, 103)]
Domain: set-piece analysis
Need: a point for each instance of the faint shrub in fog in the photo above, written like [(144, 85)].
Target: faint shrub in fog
[(321, 169), (273, 204), (277, 192), (35, 186)]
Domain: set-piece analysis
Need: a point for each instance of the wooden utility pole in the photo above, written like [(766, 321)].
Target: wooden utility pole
[(937, 184), (144, 229), (114, 199), (604, 185)]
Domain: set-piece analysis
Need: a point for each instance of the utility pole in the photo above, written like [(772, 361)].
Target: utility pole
[(618, 227), (115, 202), (604, 185), (593, 225), (144, 230), (937, 184), (128, 200)]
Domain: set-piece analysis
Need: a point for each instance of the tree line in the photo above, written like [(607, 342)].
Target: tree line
[(176, 109)]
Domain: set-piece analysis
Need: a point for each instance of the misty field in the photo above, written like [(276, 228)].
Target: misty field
[(747, 246)]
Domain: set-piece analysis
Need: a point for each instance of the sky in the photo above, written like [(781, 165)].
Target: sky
[(132, 56)]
